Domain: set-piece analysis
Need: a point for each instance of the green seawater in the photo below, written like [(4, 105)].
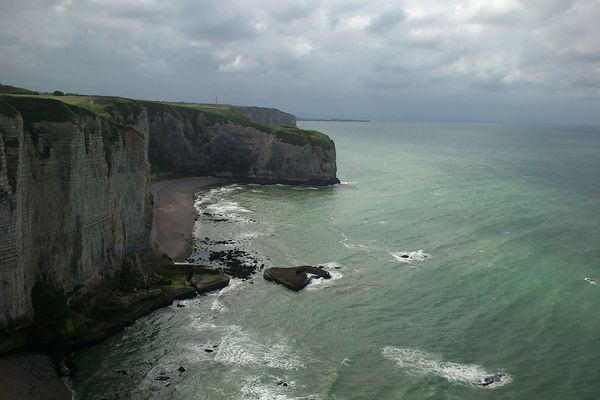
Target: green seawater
[(501, 227)]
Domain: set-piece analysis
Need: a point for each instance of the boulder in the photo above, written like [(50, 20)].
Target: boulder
[(295, 278)]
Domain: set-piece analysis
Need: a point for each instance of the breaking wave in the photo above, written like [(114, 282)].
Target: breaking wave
[(334, 269), (409, 257), (422, 363)]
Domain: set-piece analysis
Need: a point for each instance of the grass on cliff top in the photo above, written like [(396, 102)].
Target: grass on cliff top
[(49, 108), (36, 109), (287, 134)]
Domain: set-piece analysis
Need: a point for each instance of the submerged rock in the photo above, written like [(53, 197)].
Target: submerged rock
[(295, 278)]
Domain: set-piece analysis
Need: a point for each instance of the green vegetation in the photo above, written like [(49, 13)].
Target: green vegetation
[(287, 134), (15, 90), (301, 137), (64, 107), (6, 109)]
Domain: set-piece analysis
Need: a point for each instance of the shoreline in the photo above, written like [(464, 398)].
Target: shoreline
[(174, 214), (30, 374)]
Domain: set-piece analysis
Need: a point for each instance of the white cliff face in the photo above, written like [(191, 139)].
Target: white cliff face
[(190, 143), (267, 116), (72, 205), (74, 194), (247, 153)]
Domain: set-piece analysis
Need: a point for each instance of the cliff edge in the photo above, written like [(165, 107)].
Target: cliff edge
[(74, 183)]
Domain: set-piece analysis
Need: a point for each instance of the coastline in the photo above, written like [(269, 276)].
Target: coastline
[(33, 375), (174, 214)]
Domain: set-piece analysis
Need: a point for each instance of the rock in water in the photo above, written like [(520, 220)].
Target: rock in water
[(295, 278), (488, 380)]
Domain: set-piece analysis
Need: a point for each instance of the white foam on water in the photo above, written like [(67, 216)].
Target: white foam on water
[(422, 363), (347, 245), (225, 207), (409, 257), (590, 280), (241, 348), (343, 183), (254, 389), (317, 283), (234, 285), (248, 235), (218, 305)]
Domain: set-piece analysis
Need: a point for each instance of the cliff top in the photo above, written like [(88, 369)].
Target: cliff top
[(34, 108)]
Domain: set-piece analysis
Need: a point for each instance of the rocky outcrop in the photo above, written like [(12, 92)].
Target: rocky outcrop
[(295, 278), (75, 174), (267, 116), (189, 141)]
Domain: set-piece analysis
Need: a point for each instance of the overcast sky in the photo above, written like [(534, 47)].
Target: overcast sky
[(499, 60)]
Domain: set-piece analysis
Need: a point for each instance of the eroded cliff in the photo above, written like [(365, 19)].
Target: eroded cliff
[(75, 173)]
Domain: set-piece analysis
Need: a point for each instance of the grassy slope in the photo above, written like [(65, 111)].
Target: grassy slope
[(51, 110)]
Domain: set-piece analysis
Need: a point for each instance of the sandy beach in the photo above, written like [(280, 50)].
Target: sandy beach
[(174, 214)]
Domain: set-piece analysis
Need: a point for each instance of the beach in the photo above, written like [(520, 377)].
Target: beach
[(32, 375), (174, 214)]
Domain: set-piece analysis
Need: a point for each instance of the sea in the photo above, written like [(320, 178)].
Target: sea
[(458, 252)]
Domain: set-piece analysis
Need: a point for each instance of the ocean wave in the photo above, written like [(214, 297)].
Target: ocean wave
[(334, 269), (590, 280), (345, 242), (224, 209), (255, 389), (422, 363), (409, 257), (238, 347), (218, 305), (234, 285), (248, 235)]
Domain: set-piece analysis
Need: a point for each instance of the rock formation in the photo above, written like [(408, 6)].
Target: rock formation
[(295, 278), (75, 173)]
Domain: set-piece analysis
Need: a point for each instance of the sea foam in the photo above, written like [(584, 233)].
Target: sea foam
[(419, 362), (334, 269), (241, 348), (409, 257)]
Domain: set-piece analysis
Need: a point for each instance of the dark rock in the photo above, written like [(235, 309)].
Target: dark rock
[(180, 305), (234, 262), (295, 278), (208, 350), (162, 378), (121, 372), (488, 380), (404, 256), (181, 369)]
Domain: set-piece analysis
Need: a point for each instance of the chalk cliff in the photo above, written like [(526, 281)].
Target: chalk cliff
[(267, 116), (75, 173)]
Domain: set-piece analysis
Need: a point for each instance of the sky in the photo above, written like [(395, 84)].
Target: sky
[(473, 60)]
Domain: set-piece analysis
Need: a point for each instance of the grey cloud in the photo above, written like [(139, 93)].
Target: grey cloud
[(386, 20), (535, 53)]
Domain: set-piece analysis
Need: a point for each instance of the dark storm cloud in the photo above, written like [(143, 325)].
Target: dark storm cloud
[(355, 57)]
